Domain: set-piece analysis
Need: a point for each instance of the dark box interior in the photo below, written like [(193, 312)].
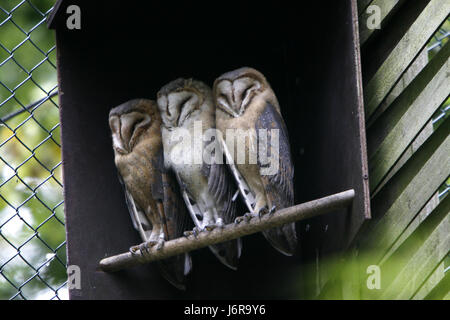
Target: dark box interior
[(129, 50)]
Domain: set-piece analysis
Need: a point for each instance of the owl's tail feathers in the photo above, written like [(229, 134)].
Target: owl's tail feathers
[(284, 239), (228, 252), (176, 269)]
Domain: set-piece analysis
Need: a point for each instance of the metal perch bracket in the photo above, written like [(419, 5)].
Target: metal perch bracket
[(231, 231)]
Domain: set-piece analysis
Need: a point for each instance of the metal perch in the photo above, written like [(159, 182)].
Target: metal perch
[(231, 231)]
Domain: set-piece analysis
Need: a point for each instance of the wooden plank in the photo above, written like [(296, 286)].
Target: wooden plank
[(382, 43), (413, 70), (409, 190), (421, 264), (364, 262), (396, 128), (333, 235), (441, 290), (404, 53), (387, 8), (349, 272), (351, 280), (331, 290), (412, 227), (309, 281), (394, 264), (412, 86), (447, 296), (426, 132), (431, 287), (362, 5), (54, 15)]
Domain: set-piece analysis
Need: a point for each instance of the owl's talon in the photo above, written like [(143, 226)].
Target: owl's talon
[(134, 250), (238, 220), (220, 223), (248, 216), (144, 248), (272, 210), (194, 232), (210, 227), (263, 211), (160, 244)]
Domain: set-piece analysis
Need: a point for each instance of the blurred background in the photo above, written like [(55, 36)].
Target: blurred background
[(32, 230)]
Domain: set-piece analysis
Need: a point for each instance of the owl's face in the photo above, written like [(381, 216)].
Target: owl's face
[(234, 91), (181, 101), (129, 123)]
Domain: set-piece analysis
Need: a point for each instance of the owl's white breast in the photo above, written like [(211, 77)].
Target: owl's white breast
[(183, 154)]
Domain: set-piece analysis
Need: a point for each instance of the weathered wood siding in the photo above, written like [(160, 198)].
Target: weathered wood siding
[(408, 237)]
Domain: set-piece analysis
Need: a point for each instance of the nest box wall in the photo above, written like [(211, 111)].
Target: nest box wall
[(128, 50)]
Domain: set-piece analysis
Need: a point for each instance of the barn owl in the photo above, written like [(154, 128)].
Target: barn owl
[(245, 101), (188, 114), (151, 193)]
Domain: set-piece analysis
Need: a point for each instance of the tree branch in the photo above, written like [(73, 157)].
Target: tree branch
[(231, 231)]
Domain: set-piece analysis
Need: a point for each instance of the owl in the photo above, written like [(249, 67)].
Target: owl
[(151, 193), (188, 113), (245, 102)]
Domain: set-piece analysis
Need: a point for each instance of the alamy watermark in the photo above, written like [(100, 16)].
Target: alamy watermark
[(250, 146), (73, 277), (74, 19), (374, 278), (374, 18)]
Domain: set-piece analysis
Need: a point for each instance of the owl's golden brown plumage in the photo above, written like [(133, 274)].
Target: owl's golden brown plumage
[(245, 101), (152, 194)]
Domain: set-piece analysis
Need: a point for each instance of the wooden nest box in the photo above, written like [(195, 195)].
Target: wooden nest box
[(310, 55)]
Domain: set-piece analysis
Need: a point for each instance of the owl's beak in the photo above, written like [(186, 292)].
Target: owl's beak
[(228, 105), (233, 110), (121, 150)]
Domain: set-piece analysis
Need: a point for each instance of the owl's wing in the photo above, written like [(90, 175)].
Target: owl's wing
[(221, 188), (243, 188), (278, 185), (165, 190), (176, 216), (175, 221), (138, 218)]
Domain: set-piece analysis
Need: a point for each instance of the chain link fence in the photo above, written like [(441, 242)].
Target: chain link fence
[(32, 231)]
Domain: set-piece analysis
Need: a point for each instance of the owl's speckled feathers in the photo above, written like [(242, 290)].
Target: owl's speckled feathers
[(152, 194), (185, 104), (244, 100)]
